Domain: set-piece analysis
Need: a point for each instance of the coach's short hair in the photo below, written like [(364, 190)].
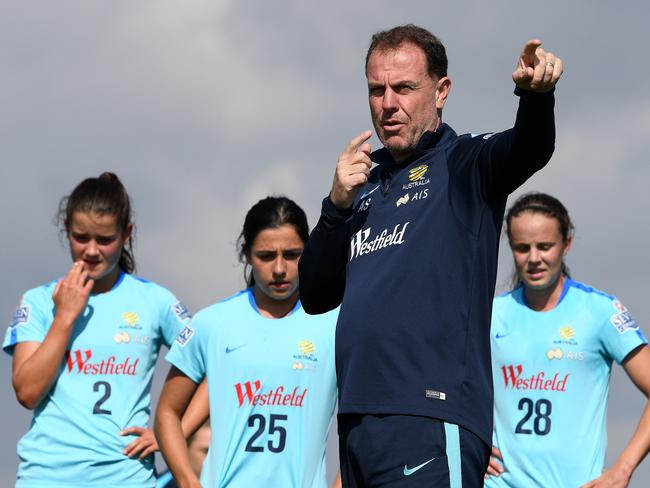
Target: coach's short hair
[(433, 49)]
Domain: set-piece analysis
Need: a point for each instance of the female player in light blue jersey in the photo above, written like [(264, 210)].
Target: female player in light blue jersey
[(269, 368), (553, 344), (84, 349)]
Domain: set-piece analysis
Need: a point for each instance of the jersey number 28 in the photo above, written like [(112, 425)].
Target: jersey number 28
[(542, 421)]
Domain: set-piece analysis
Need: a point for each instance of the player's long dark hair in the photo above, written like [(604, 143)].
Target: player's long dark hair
[(104, 195), (544, 204), (269, 213)]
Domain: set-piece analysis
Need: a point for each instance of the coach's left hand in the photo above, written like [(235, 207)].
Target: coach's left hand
[(144, 445), (537, 70)]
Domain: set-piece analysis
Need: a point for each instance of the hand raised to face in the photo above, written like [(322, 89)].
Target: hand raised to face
[(352, 171), (71, 293)]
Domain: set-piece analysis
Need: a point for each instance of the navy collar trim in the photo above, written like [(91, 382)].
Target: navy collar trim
[(428, 141)]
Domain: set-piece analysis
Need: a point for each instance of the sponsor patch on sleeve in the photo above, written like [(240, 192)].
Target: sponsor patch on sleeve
[(619, 306), (185, 336), (21, 316), (181, 311), (623, 322)]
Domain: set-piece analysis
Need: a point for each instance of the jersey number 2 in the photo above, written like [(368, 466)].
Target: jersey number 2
[(542, 421), (273, 428), (97, 409)]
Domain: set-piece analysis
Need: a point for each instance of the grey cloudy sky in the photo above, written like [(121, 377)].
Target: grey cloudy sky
[(203, 107)]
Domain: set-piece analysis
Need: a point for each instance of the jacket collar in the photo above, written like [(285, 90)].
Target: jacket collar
[(427, 142)]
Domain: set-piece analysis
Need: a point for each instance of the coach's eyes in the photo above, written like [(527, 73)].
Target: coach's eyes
[(403, 89)]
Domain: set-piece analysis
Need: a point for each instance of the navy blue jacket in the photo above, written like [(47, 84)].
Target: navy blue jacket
[(413, 264)]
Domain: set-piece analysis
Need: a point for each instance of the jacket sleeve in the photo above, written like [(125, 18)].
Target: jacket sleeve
[(323, 262), (509, 158)]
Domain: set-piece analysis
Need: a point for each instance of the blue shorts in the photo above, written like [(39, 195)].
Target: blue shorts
[(409, 451)]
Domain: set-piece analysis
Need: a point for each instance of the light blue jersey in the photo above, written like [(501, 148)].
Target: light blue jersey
[(551, 377), (272, 391), (103, 385)]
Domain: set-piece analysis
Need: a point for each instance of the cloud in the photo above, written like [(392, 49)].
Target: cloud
[(204, 107)]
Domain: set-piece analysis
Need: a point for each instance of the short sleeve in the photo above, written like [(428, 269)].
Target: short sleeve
[(188, 351), (174, 318), (620, 333), (31, 320)]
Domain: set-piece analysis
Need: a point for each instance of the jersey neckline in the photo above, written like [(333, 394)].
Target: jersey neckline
[(253, 304), (568, 283)]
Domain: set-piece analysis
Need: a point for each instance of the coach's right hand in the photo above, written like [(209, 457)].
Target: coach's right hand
[(352, 171)]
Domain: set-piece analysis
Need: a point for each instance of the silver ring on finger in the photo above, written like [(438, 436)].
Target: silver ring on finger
[(548, 63)]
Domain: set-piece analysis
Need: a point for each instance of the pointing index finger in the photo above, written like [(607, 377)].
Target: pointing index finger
[(531, 46), (528, 52), (354, 145)]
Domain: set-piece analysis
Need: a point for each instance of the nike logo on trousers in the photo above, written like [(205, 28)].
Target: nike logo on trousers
[(409, 471)]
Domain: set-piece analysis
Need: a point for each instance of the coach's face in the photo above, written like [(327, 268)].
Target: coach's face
[(405, 101)]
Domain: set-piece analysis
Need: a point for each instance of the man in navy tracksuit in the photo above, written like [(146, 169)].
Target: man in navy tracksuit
[(409, 250)]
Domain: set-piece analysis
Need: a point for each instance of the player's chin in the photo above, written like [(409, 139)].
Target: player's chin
[(98, 272), (538, 285), (283, 293), (104, 272)]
